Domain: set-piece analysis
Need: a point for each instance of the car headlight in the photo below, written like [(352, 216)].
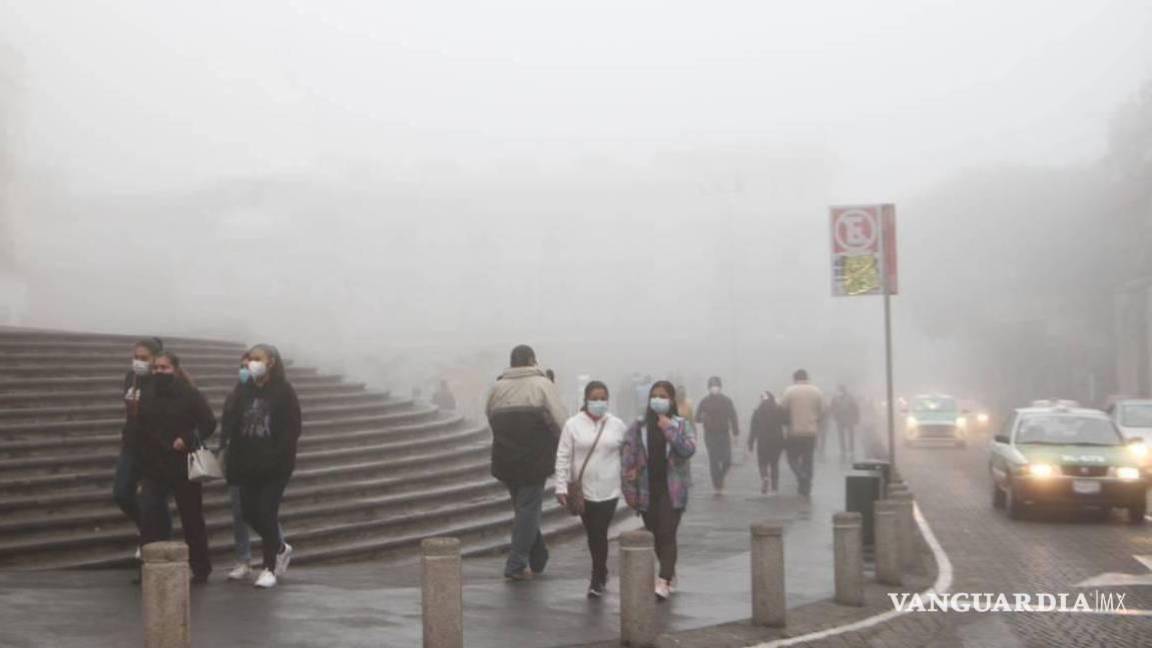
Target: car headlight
[(1138, 450), (961, 422), (1128, 473), (911, 422), (982, 418), (1041, 470)]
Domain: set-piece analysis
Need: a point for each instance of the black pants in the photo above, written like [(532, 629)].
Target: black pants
[(124, 484), (847, 434), (768, 457), (597, 517), (800, 451), (719, 457), (261, 504), (156, 524), (663, 521)]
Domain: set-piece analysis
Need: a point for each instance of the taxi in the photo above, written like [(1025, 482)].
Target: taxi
[(1070, 457)]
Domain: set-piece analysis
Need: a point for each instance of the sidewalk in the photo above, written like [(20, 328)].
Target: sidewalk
[(379, 605)]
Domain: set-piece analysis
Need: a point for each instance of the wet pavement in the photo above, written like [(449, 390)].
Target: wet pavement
[(375, 604)]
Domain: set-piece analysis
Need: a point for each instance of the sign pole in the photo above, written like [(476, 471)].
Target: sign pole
[(887, 288)]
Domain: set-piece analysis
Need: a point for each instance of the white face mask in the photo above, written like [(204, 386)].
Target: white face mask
[(257, 368), (714, 390), (141, 367)]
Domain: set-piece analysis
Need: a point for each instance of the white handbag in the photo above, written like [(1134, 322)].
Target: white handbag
[(203, 466)]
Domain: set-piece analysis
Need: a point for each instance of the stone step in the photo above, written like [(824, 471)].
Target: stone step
[(25, 385), (96, 485), (12, 333), (315, 526), (311, 451), (56, 514), (357, 403), (27, 437), (111, 393), (198, 370), (121, 349)]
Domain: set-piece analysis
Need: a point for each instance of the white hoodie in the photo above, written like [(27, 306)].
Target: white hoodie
[(602, 477)]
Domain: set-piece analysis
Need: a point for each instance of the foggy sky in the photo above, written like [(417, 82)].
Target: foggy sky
[(635, 185)]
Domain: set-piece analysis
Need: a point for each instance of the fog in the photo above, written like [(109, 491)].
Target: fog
[(400, 190)]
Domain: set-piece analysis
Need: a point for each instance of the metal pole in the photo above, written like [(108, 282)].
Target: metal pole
[(888, 340)]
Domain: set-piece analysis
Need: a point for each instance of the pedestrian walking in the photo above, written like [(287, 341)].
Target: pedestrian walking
[(525, 413), (443, 397), (717, 414), (804, 404), (846, 414), (588, 474), (263, 428), (175, 419), (766, 435), (126, 480), (656, 476)]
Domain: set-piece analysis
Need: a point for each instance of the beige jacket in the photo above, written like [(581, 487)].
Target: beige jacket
[(805, 406)]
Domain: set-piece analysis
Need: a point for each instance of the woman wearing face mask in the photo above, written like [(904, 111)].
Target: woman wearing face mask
[(263, 428), (656, 475), (242, 539), (767, 429), (175, 418), (128, 464), (589, 454)]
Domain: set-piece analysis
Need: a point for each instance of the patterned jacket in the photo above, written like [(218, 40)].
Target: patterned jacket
[(634, 464)]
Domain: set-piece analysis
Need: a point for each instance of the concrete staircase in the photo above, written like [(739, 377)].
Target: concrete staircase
[(375, 473)]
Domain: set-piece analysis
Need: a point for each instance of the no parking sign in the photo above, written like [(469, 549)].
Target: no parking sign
[(863, 250)]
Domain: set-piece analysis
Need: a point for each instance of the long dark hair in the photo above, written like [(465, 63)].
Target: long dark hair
[(277, 375), (650, 417), (591, 387), (175, 360), (154, 345)]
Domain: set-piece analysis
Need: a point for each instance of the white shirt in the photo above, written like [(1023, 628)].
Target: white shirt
[(602, 476)]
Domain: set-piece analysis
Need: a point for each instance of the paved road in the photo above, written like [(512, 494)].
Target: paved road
[(1048, 552), (378, 605)]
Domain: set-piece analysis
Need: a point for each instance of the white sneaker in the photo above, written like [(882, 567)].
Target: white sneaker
[(283, 558), (267, 580), (663, 591), (240, 572)]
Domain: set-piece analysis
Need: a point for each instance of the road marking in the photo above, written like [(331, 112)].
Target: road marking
[(1113, 579), (941, 586)]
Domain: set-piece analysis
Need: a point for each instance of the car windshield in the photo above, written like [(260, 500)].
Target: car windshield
[(1136, 415), (1068, 430), (934, 405)]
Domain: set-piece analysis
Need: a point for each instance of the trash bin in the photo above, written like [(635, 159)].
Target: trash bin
[(861, 490), (877, 464)]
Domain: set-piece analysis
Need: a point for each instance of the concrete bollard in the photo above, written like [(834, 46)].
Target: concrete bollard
[(769, 605), (442, 597), (637, 598), (848, 558), (889, 571), (164, 590), (907, 526)]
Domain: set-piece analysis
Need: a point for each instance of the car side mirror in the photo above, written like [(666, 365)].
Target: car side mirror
[(1001, 438), (1135, 440)]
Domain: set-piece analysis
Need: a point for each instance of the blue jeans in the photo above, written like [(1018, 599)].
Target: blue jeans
[(240, 529), (528, 548), (124, 484)]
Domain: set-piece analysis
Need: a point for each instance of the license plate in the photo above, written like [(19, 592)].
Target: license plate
[(1086, 487)]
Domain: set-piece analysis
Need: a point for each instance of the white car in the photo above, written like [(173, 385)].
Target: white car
[(1133, 417)]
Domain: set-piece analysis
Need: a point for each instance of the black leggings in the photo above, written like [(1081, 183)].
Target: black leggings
[(663, 521), (768, 456), (597, 517), (261, 504)]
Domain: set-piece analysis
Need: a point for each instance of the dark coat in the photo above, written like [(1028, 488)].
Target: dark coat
[(128, 393), (717, 414), (253, 458), (166, 414), (767, 426)]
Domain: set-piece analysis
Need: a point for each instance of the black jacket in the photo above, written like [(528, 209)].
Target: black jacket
[(178, 411), (263, 426), (128, 393), (718, 415), (767, 427)]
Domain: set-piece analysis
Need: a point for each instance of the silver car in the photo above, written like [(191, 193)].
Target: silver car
[(1133, 417)]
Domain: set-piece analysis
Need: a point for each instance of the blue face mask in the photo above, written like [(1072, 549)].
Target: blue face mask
[(245, 375), (597, 408), (660, 405)]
